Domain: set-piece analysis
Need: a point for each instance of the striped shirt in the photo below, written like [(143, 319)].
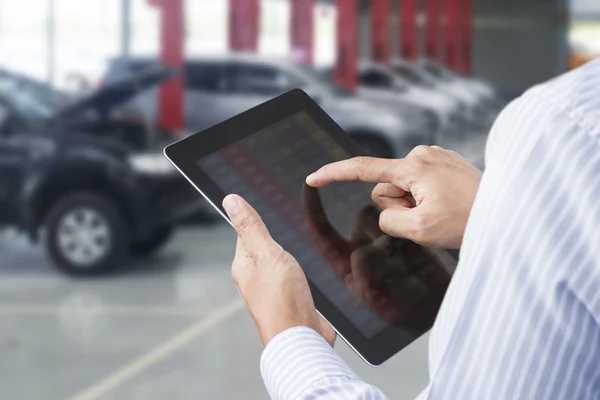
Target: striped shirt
[(521, 318)]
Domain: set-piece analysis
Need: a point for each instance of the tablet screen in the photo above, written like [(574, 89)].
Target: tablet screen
[(374, 280)]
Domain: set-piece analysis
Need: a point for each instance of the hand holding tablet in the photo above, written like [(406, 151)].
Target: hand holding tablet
[(379, 293), (269, 279)]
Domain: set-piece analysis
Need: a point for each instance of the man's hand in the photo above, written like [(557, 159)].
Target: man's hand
[(426, 197), (269, 279)]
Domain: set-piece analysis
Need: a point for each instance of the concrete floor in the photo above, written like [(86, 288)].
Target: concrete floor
[(170, 327)]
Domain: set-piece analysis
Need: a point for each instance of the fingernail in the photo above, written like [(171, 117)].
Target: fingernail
[(231, 205), (310, 177)]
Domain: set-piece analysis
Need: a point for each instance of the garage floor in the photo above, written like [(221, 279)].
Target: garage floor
[(170, 327)]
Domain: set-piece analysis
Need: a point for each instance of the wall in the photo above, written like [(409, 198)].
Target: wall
[(517, 43)]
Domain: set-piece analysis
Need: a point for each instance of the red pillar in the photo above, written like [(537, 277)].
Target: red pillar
[(452, 36), (301, 30), (170, 98), (466, 36), (408, 29), (432, 29), (244, 25), (380, 31), (347, 43)]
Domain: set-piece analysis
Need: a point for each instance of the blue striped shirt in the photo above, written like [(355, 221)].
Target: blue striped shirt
[(521, 317)]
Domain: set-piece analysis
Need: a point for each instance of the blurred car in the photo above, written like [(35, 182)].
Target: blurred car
[(377, 81), (219, 87), (42, 91), (96, 194), (477, 110), (484, 91), (101, 111)]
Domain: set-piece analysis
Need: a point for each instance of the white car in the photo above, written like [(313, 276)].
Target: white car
[(477, 110), (217, 87), (378, 80), (479, 86)]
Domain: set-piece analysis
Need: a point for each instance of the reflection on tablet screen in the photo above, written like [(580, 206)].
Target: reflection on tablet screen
[(373, 279)]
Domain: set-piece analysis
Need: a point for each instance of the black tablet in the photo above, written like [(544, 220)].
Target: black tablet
[(378, 293)]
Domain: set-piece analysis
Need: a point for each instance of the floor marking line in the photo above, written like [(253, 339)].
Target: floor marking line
[(41, 310), (158, 353)]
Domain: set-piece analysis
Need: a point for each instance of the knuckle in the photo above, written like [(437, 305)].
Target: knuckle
[(421, 150), (388, 221), (245, 225), (359, 163), (278, 254), (418, 162), (377, 191), (384, 220), (375, 195), (427, 160)]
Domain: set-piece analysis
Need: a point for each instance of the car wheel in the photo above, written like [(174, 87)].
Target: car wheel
[(375, 147), (153, 243), (86, 234)]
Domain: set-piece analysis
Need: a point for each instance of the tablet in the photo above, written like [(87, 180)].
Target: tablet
[(378, 293)]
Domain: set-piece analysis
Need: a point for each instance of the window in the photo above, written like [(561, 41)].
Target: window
[(259, 79), (138, 66), (409, 74), (208, 77), (375, 79), (324, 79)]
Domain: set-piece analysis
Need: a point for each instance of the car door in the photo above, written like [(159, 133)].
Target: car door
[(208, 94), (13, 160)]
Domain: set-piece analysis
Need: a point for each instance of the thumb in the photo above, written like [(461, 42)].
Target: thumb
[(403, 222), (248, 224)]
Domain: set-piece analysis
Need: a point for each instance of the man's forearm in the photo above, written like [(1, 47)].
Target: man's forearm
[(299, 364)]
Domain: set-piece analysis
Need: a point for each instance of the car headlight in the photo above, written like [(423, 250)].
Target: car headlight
[(151, 164)]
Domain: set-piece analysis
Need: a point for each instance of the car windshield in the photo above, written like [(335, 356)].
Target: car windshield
[(24, 102), (313, 77), (410, 74), (437, 71)]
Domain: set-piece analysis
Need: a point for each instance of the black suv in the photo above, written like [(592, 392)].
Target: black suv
[(96, 188)]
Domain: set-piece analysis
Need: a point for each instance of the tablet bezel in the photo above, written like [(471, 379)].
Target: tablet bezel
[(184, 154)]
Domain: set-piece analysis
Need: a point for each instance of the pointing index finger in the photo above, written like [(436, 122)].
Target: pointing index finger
[(366, 169)]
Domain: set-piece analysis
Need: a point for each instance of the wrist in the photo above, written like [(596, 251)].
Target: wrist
[(269, 329)]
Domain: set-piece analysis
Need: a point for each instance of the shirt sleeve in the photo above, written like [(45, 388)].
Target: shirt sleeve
[(298, 364)]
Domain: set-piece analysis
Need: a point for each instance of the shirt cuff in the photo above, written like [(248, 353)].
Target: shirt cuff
[(296, 359)]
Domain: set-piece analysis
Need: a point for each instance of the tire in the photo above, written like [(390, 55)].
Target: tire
[(86, 234), (375, 147), (152, 244)]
